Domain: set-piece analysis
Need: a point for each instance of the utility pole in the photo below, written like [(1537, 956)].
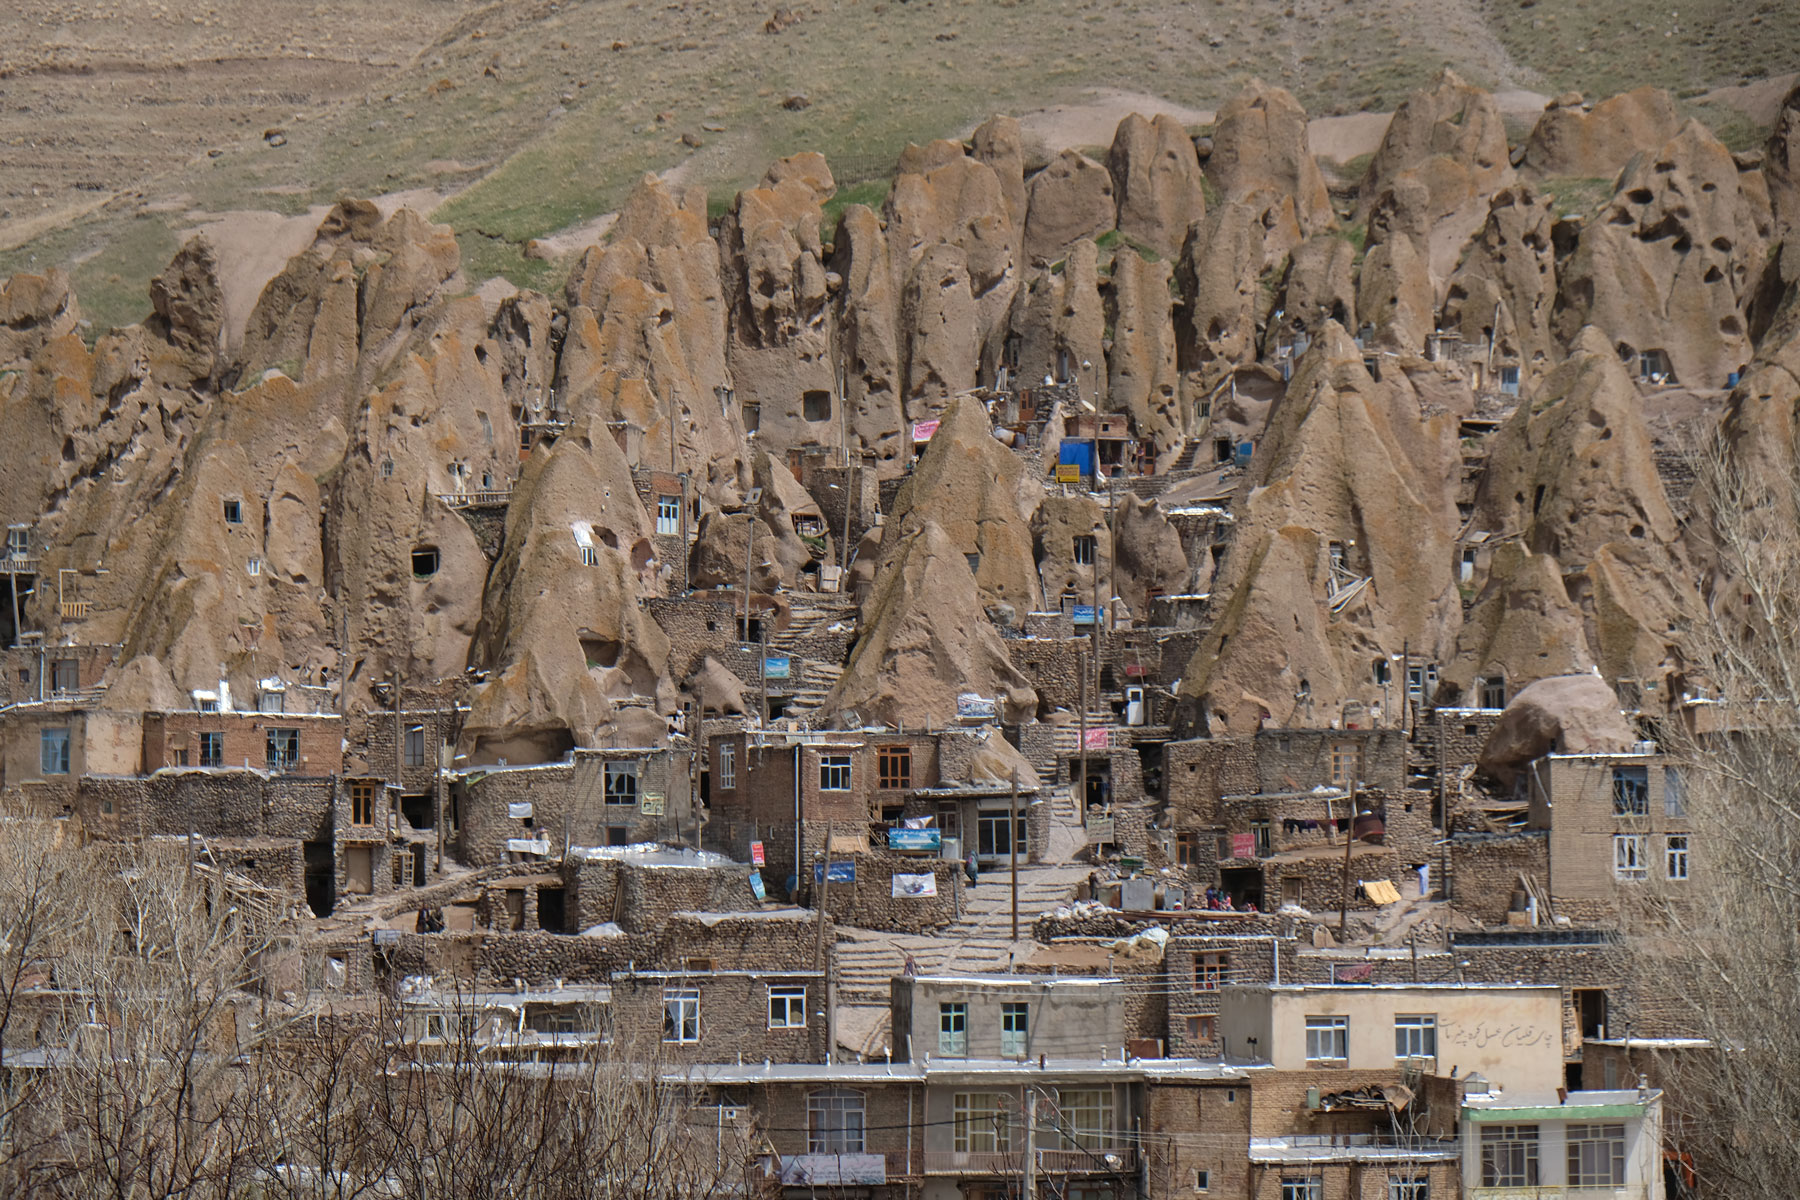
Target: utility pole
[(1029, 1191), (1081, 747), (1349, 840), (399, 755), (1012, 840), (819, 943), (849, 499)]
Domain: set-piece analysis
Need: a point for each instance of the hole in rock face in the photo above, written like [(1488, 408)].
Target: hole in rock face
[(424, 561)]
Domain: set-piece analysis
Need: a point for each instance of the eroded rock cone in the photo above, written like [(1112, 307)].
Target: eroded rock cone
[(1571, 141), (1260, 157), (1567, 714), (1156, 181), (925, 641)]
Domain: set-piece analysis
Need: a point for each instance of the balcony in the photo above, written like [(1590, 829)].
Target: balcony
[(480, 498), (973, 1162), (77, 610), (1631, 1191)]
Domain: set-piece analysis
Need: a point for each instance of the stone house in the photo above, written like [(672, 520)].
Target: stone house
[(1616, 823), (1016, 1017), (707, 1016), (604, 797)]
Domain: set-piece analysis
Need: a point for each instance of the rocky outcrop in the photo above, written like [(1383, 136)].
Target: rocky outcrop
[(1506, 285), (1565, 714), (1156, 181), (1141, 372), (1569, 140), (1221, 291), (1072, 198), (1260, 159), (925, 641), (1058, 319), (1669, 264), (1451, 134), (1781, 168)]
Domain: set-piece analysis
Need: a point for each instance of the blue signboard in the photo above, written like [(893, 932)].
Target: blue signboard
[(775, 668), (1243, 452), (756, 885), (841, 872), (1084, 614), (915, 839)]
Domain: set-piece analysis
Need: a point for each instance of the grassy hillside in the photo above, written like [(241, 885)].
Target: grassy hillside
[(537, 115)]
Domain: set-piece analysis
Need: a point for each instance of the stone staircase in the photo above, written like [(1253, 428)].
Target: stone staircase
[(820, 678)]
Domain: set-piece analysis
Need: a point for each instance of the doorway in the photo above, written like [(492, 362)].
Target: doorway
[(1243, 884), (359, 870)]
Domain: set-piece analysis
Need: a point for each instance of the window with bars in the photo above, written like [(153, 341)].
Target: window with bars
[(727, 765), (980, 1123), (1509, 1156), (212, 749), (1327, 1039), (835, 1121), (1084, 549), (283, 749), (893, 767), (53, 751), (1596, 1155)]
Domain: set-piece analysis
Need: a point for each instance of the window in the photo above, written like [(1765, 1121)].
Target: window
[(415, 746), (1509, 1156), (590, 557), (787, 1007), (284, 749), (1675, 857), (18, 541), (834, 1121), (1202, 1180), (1631, 791), (212, 749), (681, 1014), (1210, 971), (893, 767), (424, 561), (815, 405), (1629, 857), (980, 1123), (621, 783), (1493, 692), (234, 512), (727, 765), (668, 514), (65, 675), (1308, 1188), (1674, 797), (834, 772), (1596, 1156), (1087, 1117), (996, 834), (53, 751), (1327, 1039), (362, 802), (953, 1029), (1202, 1029), (254, 566), (752, 417), (1015, 1028), (1415, 1036), (1084, 549), (271, 700), (1344, 765), (1409, 1187), (1187, 849), (387, 468), (206, 702), (1264, 836), (974, 561)]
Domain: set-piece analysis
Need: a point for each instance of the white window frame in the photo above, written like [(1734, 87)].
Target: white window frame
[(1675, 856), (953, 1030), (836, 1121), (1596, 1155), (834, 772), (787, 1006), (1087, 1117), (1325, 1033), (727, 766), (1415, 1035), (1409, 1187), (668, 514), (1085, 550), (1631, 857), (1311, 1187), (681, 1015), (1509, 1156), (980, 1123), (590, 557), (254, 566)]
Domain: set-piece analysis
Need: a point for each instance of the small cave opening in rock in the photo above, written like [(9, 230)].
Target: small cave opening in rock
[(424, 562)]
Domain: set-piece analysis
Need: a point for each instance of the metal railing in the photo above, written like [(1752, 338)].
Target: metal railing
[(483, 498)]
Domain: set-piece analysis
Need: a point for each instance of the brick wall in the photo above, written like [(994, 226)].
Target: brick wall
[(569, 801), (734, 1015), (1207, 1128), (213, 803), (1485, 868), (641, 898), (1226, 960), (869, 902)]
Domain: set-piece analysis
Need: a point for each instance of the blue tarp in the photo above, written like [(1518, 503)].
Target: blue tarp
[(1079, 454)]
